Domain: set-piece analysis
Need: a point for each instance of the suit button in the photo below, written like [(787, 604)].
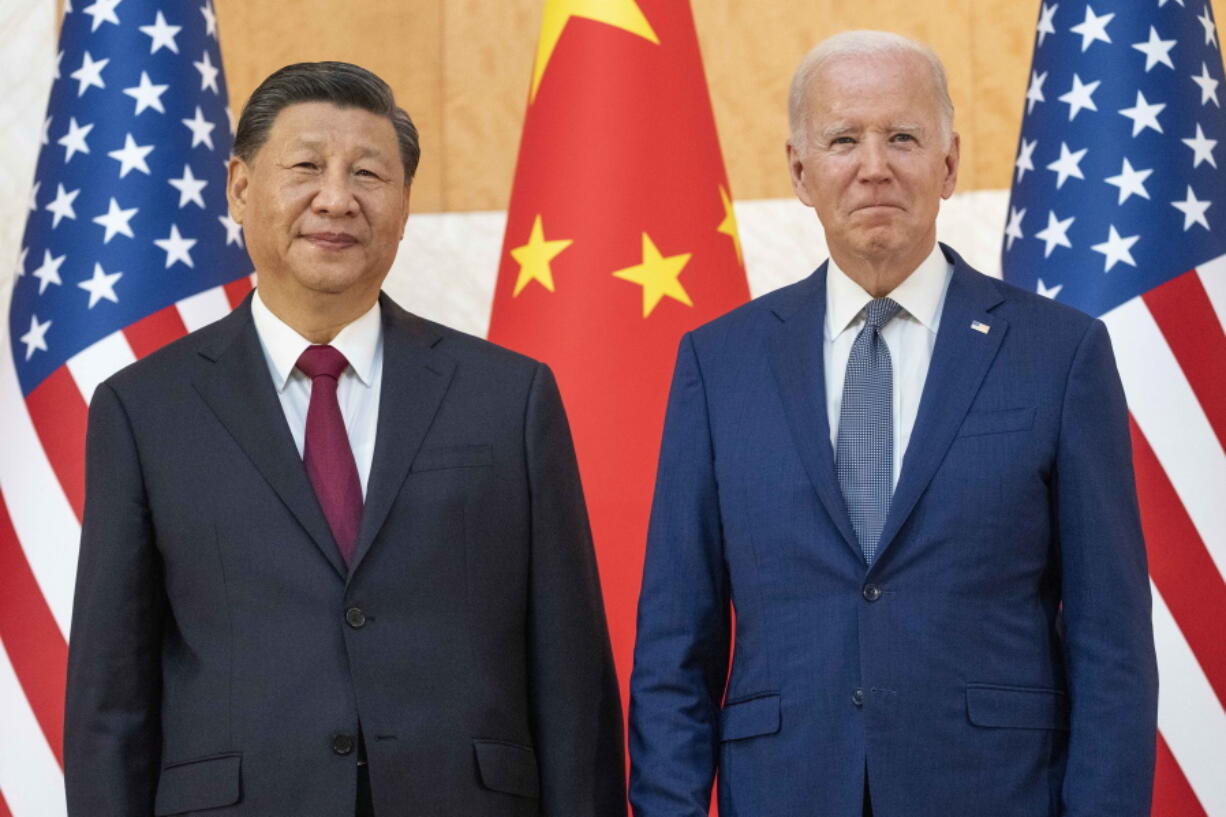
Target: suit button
[(342, 744), (355, 618), (871, 592), (857, 697)]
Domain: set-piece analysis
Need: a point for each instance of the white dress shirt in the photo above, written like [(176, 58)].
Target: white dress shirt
[(361, 342), (909, 336)]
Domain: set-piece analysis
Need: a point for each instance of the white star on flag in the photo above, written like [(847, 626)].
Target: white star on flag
[(1048, 292), (1206, 22), (208, 73), (1046, 22), (1162, 3), (102, 11), (49, 272), (101, 286), (59, 58), (1025, 157), (234, 230), (1035, 92), (131, 156), (21, 261), (201, 128), (1013, 230), (1202, 148), (45, 137), (1208, 86), (1193, 210), (146, 94), (36, 338), (1156, 50), (1069, 164), (210, 19), (1055, 234), (1116, 249), (61, 205), (116, 221), (34, 196), (189, 188), (161, 34), (1130, 182), (1093, 28), (74, 141), (89, 75), (1143, 114), (1080, 97), (177, 247)]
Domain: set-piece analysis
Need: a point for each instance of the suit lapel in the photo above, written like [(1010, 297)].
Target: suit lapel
[(960, 359), (238, 389), (798, 364), (415, 379)]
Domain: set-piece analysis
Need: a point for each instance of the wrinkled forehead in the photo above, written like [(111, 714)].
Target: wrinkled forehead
[(893, 88)]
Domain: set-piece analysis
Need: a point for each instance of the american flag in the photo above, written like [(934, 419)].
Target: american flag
[(128, 245), (1119, 209)]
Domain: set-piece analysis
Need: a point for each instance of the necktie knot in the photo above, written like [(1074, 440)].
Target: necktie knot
[(322, 361), (880, 311)]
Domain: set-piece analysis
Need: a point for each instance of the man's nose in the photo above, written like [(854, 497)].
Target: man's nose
[(335, 195), (875, 161)]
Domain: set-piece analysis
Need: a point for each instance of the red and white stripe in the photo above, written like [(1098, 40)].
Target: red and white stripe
[(41, 500), (1170, 347)]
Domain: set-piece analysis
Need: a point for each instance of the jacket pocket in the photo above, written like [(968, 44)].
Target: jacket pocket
[(196, 785), (452, 456), (1016, 707), (996, 422), (750, 717), (507, 767)]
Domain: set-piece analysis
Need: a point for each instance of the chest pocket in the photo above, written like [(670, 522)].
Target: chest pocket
[(453, 456), (996, 422)]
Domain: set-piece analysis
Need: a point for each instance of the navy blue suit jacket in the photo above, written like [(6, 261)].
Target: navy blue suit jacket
[(997, 659)]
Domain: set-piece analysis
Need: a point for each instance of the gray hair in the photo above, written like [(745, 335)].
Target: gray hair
[(865, 44), (341, 83)]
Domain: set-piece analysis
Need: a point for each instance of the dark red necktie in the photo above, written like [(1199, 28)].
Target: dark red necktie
[(327, 455)]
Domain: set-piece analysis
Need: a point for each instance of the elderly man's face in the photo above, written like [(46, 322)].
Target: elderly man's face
[(323, 203), (874, 163)]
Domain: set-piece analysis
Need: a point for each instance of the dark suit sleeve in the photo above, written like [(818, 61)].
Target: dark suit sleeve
[(576, 708), (681, 654), (1111, 668), (112, 729)]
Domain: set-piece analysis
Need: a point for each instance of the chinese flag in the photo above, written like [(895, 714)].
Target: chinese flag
[(620, 238)]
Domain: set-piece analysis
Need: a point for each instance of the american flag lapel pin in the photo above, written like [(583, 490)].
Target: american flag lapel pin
[(980, 327)]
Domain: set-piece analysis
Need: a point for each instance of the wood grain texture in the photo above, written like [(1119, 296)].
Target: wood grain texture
[(462, 67)]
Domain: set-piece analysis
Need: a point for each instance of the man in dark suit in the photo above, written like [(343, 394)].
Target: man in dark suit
[(335, 558), (913, 484)]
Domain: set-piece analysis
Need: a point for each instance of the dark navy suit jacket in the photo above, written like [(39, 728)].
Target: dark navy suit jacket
[(223, 660), (997, 659)]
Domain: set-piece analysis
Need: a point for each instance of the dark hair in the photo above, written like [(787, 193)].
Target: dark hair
[(341, 83)]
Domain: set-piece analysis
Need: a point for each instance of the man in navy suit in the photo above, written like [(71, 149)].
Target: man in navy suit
[(335, 558), (913, 485)]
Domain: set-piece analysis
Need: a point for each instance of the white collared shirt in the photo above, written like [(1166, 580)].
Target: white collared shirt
[(909, 337), (361, 342)]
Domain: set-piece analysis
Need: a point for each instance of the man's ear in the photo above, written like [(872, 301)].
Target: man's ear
[(407, 191), (237, 182), (796, 169), (951, 166)]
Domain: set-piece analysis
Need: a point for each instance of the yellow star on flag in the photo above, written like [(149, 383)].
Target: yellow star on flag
[(658, 276), (728, 225), (535, 256), (624, 14)]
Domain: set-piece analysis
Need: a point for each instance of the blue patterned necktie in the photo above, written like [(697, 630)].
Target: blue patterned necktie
[(864, 456)]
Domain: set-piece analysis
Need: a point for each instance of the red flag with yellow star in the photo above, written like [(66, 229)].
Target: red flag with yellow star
[(620, 238)]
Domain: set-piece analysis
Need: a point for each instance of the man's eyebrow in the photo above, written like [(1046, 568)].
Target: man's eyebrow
[(316, 144)]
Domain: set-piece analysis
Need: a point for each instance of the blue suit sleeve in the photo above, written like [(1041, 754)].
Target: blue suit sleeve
[(1109, 647), (681, 653), (112, 726)]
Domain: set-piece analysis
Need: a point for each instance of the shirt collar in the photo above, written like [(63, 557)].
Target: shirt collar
[(358, 342), (921, 294)]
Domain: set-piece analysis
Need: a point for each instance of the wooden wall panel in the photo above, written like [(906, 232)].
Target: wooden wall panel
[(461, 67)]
